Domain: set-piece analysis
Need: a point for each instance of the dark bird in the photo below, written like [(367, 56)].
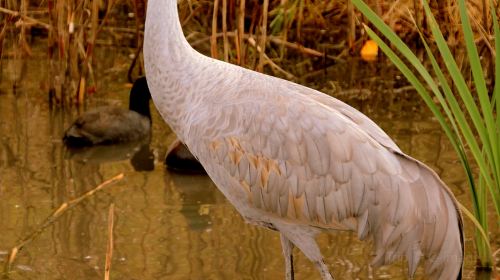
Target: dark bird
[(181, 160), (111, 124), (117, 125)]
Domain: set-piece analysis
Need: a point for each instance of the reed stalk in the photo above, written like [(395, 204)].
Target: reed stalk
[(224, 30), (351, 34), (241, 33), (263, 35), (283, 3), (213, 39)]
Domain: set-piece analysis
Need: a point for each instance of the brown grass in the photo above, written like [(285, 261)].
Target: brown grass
[(287, 32)]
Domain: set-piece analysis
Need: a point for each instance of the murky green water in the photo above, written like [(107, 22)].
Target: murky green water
[(167, 226)]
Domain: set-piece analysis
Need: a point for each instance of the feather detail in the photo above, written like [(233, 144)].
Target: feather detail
[(313, 161)]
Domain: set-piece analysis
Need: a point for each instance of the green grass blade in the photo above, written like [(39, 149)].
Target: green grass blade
[(457, 77), (417, 84), (397, 42), (451, 117), (466, 96), (405, 51), (496, 91), (477, 71), (482, 92), (408, 54), (446, 89), (496, 96), (485, 253), (457, 113), (469, 215), (461, 132)]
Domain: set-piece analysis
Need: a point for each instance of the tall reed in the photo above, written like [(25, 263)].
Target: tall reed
[(72, 29)]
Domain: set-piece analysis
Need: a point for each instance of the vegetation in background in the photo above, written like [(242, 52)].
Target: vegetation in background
[(468, 112), (293, 39), (72, 30)]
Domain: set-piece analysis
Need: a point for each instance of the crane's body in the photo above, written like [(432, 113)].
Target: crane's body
[(296, 160)]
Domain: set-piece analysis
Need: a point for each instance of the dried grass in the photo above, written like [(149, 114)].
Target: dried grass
[(287, 32)]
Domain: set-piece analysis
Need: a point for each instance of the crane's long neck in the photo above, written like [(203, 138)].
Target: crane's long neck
[(170, 62)]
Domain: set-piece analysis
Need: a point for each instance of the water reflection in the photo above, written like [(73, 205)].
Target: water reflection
[(139, 153), (168, 226), (198, 196)]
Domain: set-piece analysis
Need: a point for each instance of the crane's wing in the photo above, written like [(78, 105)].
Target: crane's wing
[(301, 160), (365, 123)]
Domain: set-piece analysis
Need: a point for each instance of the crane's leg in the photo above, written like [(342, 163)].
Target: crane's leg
[(287, 247), (303, 238)]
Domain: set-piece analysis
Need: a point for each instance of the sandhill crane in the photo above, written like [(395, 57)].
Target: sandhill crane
[(295, 160)]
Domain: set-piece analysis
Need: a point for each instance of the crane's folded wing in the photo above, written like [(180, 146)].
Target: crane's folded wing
[(300, 160)]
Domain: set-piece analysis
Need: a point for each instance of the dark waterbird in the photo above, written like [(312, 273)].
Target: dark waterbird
[(117, 125), (111, 124), (181, 160)]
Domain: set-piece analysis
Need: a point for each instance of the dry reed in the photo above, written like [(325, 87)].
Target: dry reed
[(213, 41), (241, 32)]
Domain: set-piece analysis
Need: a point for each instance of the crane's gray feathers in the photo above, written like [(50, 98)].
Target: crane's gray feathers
[(294, 159), (322, 164), (356, 116)]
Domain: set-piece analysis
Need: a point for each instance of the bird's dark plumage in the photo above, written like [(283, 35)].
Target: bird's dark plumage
[(110, 125), (181, 160)]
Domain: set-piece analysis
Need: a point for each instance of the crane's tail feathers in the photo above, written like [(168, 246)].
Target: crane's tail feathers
[(423, 222), (445, 259)]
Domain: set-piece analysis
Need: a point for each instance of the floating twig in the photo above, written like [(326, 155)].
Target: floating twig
[(11, 257), (109, 252)]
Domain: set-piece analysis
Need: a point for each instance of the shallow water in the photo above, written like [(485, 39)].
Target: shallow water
[(167, 225)]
